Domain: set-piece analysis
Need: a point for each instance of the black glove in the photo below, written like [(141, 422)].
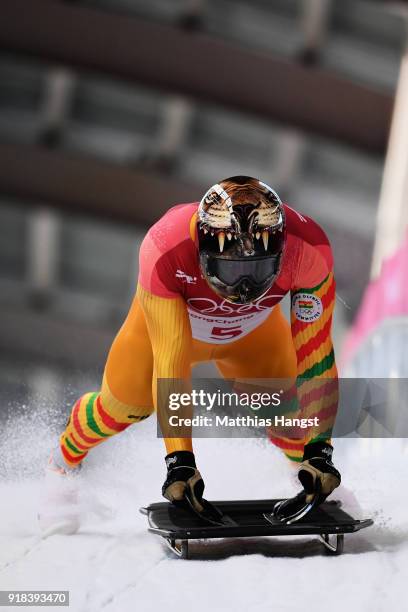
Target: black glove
[(183, 479), (317, 470)]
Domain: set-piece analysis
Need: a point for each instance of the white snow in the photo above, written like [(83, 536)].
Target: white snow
[(114, 564)]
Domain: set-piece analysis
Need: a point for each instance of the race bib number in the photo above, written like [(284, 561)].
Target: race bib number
[(221, 330)]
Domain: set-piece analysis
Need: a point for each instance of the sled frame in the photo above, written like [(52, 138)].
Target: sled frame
[(246, 519)]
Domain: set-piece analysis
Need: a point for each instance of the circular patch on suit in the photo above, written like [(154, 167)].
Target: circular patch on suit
[(307, 307)]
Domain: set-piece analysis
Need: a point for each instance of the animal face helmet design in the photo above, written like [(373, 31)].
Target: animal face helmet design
[(241, 231)]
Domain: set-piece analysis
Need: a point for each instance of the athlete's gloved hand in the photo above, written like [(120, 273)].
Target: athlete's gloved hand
[(317, 470), (183, 479)]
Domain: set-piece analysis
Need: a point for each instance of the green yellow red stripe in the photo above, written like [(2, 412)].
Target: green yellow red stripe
[(90, 417), (315, 358), (109, 421), (79, 427), (89, 425)]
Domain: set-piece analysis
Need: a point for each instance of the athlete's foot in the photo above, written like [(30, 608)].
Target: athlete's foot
[(59, 505)]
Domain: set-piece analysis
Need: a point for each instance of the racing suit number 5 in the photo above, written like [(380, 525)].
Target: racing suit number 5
[(225, 333)]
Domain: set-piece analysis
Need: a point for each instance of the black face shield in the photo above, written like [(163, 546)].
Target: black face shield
[(240, 280)]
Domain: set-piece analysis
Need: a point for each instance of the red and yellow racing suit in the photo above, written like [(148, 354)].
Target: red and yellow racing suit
[(176, 321)]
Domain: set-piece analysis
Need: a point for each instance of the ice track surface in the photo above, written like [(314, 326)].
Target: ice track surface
[(113, 564)]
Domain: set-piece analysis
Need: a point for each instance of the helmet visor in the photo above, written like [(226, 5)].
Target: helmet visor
[(257, 271)]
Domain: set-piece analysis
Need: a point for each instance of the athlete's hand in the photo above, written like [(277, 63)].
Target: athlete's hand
[(317, 470), (183, 478)]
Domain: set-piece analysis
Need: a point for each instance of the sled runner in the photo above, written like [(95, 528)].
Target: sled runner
[(249, 519)]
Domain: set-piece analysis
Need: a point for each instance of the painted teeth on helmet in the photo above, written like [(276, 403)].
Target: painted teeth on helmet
[(229, 235), (265, 238), (221, 240), (205, 230), (280, 229), (212, 232), (258, 235)]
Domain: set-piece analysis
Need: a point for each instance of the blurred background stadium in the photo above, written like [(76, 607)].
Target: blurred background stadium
[(111, 111)]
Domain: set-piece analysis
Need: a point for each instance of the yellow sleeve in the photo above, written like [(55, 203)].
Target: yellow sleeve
[(169, 330)]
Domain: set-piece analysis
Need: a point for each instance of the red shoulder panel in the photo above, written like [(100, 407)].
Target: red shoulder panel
[(171, 234)]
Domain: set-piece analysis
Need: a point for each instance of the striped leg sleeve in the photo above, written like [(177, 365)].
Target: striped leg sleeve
[(96, 417)]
